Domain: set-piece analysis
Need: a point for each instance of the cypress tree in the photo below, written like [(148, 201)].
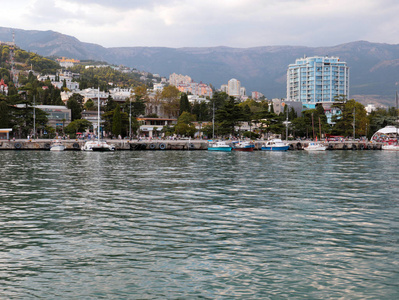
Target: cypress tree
[(184, 104), (4, 117), (117, 121)]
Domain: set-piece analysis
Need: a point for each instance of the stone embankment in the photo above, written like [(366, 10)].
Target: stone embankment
[(43, 144)]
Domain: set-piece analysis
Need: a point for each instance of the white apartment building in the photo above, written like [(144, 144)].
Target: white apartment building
[(234, 87), (317, 79)]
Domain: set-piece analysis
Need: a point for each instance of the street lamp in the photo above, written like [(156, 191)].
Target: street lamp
[(130, 120), (286, 123)]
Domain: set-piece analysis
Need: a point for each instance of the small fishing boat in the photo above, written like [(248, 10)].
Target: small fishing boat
[(275, 145), (315, 147), (243, 146), (219, 146), (57, 145)]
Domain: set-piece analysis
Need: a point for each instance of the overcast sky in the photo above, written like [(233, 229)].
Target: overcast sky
[(202, 23)]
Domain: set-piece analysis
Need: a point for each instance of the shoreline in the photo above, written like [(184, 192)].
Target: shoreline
[(161, 145)]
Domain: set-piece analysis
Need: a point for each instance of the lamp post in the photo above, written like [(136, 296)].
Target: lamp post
[(130, 119), (286, 122)]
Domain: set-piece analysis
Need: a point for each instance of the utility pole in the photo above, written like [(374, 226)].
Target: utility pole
[(354, 122), (213, 121), (34, 118), (130, 120), (286, 125), (313, 126), (320, 127)]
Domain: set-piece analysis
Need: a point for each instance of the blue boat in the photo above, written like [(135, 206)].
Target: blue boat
[(275, 145), (219, 146)]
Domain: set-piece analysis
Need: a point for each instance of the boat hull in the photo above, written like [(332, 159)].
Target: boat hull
[(275, 148), (100, 149), (249, 149), (390, 147), (223, 149), (57, 148)]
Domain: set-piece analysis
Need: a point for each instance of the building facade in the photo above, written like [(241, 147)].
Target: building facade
[(317, 79), (234, 87)]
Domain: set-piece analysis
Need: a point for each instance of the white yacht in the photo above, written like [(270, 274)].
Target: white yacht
[(98, 145)]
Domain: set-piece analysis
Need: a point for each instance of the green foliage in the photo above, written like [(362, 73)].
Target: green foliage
[(4, 114), (184, 124), (184, 104), (79, 125), (89, 105), (201, 111), (75, 107), (350, 111), (228, 117), (101, 77), (380, 118), (171, 103), (117, 121), (251, 135), (311, 123)]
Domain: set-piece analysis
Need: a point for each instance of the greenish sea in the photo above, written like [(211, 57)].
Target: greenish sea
[(199, 225)]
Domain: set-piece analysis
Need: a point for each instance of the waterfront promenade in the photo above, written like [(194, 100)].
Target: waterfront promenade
[(180, 144)]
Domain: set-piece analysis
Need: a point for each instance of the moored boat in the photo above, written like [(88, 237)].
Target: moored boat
[(390, 147), (243, 146), (315, 147), (98, 145), (275, 145), (219, 146), (57, 145)]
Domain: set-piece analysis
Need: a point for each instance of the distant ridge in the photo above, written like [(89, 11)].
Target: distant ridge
[(374, 67)]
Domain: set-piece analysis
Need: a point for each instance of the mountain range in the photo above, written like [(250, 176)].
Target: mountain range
[(374, 67)]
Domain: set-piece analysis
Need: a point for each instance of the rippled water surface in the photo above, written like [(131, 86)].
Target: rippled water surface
[(199, 225)]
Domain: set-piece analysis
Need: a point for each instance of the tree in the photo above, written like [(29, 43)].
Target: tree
[(184, 124), (170, 104), (201, 111), (77, 126), (139, 100), (4, 114), (184, 104), (117, 121), (344, 122), (89, 105), (75, 107), (228, 116)]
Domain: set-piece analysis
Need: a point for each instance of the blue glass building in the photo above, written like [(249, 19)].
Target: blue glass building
[(317, 79)]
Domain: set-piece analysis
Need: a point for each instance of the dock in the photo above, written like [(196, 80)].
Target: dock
[(195, 144)]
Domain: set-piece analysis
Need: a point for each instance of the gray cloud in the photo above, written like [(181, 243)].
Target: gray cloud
[(236, 23)]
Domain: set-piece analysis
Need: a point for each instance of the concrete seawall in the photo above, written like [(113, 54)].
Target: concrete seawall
[(135, 145)]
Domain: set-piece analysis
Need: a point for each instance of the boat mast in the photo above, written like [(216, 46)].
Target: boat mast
[(98, 117), (213, 121)]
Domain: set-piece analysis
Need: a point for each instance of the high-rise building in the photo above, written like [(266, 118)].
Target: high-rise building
[(317, 79), (234, 87)]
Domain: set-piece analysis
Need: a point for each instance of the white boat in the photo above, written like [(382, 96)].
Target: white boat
[(275, 145), (315, 147), (57, 145), (390, 147), (219, 146), (98, 145)]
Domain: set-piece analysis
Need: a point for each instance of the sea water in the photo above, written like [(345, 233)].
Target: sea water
[(199, 225)]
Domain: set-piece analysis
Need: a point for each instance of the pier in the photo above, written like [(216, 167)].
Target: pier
[(181, 144)]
